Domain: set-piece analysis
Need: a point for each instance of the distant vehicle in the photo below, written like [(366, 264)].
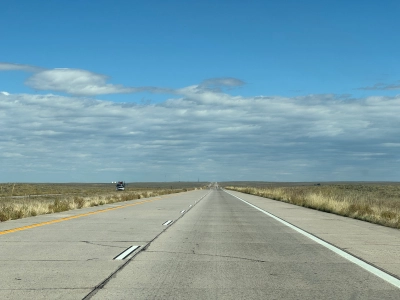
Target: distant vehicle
[(120, 186)]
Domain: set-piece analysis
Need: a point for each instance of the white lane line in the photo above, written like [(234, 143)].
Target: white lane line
[(385, 276), (126, 253), (168, 222), (182, 211)]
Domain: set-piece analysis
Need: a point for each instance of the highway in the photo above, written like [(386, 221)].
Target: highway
[(204, 244)]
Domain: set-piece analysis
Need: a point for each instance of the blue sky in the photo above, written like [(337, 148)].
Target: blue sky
[(221, 90)]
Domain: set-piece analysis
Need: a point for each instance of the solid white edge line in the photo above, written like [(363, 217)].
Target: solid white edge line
[(126, 253), (385, 276)]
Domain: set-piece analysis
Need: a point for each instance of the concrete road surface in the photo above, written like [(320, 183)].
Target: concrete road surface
[(217, 247), (68, 254)]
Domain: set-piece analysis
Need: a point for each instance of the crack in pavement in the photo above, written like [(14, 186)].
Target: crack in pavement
[(108, 246), (43, 260), (143, 248), (42, 289), (212, 255)]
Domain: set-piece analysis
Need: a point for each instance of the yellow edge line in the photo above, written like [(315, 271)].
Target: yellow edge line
[(73, 217)]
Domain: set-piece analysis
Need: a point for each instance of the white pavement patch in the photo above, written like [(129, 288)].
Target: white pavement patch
[(385, 276), (126, 253)]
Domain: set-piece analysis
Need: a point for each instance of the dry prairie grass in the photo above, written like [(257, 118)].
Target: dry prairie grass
[(379, 204), (60, 198)]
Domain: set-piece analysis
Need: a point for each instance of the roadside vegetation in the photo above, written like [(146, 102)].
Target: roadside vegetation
[(25, 200), (375, 203)]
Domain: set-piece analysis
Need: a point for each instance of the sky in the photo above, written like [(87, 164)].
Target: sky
[(173, 90)]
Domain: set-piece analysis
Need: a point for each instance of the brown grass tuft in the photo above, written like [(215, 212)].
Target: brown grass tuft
[(58, 198), (379, 204)]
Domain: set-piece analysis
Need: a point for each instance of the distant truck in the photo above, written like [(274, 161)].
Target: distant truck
[(120, 186)]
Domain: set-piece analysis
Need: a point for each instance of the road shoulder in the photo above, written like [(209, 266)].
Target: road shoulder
[(375, 244)]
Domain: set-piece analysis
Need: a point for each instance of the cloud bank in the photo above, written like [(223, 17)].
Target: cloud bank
[(200, 133), (78, 82)]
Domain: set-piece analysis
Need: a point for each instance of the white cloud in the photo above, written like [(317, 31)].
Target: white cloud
[(222, 81), (76, 82), (18, 67), (202, 133), (80, 82), (9, 155), (382, 87)]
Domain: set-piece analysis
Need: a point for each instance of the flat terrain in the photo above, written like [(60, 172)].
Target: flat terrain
[(25, 200), (218, 248), (83, 189)]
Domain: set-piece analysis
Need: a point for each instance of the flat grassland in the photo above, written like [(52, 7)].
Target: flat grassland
[(375, 202), (20, 200)]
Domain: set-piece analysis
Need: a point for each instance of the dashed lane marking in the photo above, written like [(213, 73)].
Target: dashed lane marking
[(126, 253)]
